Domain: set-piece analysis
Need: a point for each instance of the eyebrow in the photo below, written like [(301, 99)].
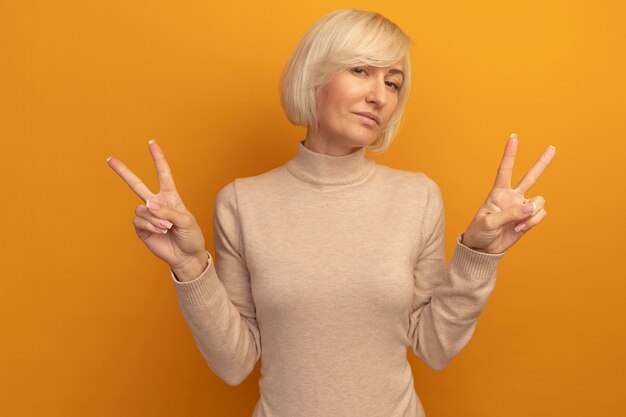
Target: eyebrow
[(396, 71)]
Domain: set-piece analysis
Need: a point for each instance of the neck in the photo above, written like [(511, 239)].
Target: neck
[(314, 142), (329, 170)]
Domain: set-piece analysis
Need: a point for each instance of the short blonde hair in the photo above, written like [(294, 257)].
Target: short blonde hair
[(338, 41)]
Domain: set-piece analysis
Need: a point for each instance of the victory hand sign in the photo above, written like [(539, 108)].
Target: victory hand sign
[(164, 224), (507, 214)]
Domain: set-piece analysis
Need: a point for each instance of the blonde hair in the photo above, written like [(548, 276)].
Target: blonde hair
[(338, 41)]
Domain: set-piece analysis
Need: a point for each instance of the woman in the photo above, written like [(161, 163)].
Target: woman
[(330, 266)]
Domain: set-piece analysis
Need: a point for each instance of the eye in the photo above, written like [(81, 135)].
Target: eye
[(393, 85), (358, 70)]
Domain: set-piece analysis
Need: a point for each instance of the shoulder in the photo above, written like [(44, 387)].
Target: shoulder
[(415, 181), (257, 184), (419, 193)]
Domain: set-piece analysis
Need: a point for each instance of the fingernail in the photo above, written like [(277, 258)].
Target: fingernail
[(553, 147), (520, 227), (513, 136), (166, 224), (528, 208), (109, 158), (152, 205), (151, 141)]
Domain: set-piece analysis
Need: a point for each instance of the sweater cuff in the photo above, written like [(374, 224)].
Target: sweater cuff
[(474, 264), (200, 290)]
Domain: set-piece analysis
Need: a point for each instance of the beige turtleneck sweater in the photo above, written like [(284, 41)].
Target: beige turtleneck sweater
[(327, 269)]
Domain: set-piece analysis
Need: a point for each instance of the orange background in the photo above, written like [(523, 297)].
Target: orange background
[(88, 318)]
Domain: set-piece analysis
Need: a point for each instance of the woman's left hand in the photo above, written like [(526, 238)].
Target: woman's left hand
[(506, 214)]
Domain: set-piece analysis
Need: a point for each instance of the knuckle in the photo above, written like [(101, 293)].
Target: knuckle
[(185, 221), (139, 226), (489, 222)]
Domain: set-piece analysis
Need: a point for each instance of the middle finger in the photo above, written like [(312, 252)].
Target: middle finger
[(535, 172)]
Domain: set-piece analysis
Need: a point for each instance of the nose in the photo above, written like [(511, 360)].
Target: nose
[(377, 92)]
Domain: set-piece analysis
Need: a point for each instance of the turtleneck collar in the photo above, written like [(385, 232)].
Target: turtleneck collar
[(322, 169)]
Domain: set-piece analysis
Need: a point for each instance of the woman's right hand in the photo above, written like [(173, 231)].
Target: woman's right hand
[(164, 224)]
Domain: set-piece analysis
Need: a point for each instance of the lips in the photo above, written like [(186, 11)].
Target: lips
[(370, 116)]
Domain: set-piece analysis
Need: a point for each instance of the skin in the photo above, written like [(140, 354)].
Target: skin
[(171, 232), (507, 214), (340, 129), (164, 224)]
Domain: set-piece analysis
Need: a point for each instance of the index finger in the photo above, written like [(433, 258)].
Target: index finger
[(535, 172), (130, 179), (505, 170), (163, 170)]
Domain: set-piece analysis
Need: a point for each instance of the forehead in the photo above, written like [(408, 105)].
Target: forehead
[(396, 68)]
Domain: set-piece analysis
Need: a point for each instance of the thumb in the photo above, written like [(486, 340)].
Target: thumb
[(163, 212), (513, 214)]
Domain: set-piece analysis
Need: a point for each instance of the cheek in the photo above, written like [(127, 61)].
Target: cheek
[(325, 112), (339, 93), (323, 103), (329, 105), (391, 108)]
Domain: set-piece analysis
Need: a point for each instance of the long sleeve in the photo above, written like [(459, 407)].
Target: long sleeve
[(218, 305), (447, 300), (339, 263)]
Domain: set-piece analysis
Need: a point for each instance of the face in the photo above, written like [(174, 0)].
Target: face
[(354, 108)]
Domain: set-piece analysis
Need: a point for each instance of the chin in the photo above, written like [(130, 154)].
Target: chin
[(358, 143), (360, 138), (366, 141)]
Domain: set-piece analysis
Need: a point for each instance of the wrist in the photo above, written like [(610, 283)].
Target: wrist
[(465, 241), (191, 268)]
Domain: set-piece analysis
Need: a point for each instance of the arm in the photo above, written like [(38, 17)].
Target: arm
[(220, 311), (218, 305), (447, 300)]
